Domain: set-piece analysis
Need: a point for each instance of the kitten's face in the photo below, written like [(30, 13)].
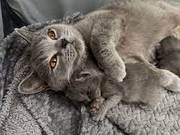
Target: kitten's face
[(55, 52)]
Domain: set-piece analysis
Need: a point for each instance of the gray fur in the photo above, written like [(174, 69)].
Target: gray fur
[(169, 55), (143, 84), (57, 116), (117, 33), (42, 48), (115, 36)]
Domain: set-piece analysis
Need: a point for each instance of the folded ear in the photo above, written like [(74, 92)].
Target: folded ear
[(31, 84), (88, 74), (25, 33), (83, 75)]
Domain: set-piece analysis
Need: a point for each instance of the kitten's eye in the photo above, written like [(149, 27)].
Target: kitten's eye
[(52, 34), (53, 62)]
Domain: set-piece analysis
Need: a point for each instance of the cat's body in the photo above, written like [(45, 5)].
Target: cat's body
[(126, 30), (115, 36)]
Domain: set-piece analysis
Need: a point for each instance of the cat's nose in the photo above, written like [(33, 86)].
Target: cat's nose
[(64, 42)]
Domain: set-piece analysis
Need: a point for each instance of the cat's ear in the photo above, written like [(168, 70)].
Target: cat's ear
[(31, 85), (25, 33)]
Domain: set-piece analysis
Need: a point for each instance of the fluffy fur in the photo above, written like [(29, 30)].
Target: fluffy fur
[(118, 37), (119, 32), (169, 55)]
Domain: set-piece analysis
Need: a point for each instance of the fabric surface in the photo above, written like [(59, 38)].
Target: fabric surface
[(51, 113), (1, 24), (33, 11), (9, 20)]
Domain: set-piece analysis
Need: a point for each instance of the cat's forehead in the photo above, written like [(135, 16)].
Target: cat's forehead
[(61, 27)]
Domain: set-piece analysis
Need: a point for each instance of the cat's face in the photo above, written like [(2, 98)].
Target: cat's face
[(55, 52)]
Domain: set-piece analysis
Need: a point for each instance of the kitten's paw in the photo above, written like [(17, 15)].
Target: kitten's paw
[(95, 105), (100, 113), (98, 109)]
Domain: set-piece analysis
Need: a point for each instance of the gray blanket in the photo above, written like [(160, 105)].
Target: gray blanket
[(49, 113)]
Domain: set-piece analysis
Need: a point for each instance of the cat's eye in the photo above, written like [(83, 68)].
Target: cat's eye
[(52, 34), (53, 62)]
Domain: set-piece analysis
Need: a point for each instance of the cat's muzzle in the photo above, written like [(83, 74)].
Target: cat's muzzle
[(69, 53)]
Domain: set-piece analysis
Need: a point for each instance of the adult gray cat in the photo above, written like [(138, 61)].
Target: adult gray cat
[(68, 66), (57, 51)]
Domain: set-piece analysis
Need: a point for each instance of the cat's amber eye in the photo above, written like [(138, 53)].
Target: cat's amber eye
[(53, 62), (52, 34)]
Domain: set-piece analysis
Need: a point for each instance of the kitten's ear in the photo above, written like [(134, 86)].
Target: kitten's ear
[(83, 75), (31, 85), (25, 33)]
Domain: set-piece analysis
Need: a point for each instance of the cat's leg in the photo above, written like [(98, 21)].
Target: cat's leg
[(167, 79), (103, 45), (96, 104), (97, 99), (104, 98), (109, 103)]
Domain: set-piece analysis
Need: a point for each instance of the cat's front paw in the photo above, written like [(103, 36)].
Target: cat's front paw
[(100, 114), (98, 110), (95, 105)]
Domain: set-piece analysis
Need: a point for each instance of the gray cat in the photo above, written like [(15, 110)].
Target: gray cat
[(58, 51), (72, 69)]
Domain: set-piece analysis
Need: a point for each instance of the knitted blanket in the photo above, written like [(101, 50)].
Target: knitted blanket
[(50, 113)]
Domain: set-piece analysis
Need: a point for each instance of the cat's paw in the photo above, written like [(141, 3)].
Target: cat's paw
[(100, 114), (170, 81), (98, 110), (95, 105)]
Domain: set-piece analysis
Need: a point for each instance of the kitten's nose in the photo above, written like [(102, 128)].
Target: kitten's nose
[(64, 42)]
